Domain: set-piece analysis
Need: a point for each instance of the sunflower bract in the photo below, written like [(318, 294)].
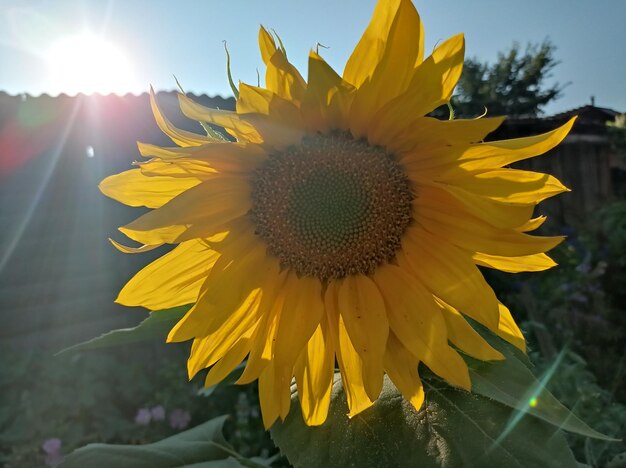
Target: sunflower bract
[(341, 225)]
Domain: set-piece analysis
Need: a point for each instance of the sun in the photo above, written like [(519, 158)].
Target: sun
[(87, 63)]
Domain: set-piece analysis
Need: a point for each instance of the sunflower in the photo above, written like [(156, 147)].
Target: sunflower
[(337, 222)]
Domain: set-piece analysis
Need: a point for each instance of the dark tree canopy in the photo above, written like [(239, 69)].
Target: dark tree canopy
[(514, 85)]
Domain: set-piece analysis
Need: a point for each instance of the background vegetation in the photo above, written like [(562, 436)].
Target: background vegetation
[(515, 85)]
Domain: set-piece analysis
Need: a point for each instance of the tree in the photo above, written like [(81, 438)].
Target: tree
[(513, 85)]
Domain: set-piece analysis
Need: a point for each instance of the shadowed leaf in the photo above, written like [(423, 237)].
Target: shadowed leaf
[(203, 446), (512, 383), (453, 428), (157, 325)]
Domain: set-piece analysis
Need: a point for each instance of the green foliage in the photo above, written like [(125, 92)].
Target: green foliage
[(610, 234), (453, 428), (514, 85), (512, 383), (87, 397), (204, 445), (156, 325), (617, 135), (574, 385)]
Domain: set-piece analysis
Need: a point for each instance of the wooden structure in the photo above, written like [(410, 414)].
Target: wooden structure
[(584, 162)]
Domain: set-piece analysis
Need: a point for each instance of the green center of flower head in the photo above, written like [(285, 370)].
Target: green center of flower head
[(331, 206)]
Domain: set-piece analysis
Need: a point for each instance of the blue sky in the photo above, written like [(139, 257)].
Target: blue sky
[(160, 38)]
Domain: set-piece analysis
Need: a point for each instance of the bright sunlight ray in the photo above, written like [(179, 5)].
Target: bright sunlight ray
[(86, 63), (53, 159)]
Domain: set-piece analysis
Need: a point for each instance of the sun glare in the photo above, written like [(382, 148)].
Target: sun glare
[(86, 63)]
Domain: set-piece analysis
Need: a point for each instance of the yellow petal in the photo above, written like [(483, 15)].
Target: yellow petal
[(180, 168), (274, 395), (413, 314), (431, 86), (339, 108), (230, 121), (350, 363), (417, 323), (207, 350), (301, 315), (401, 366), (512, 185), (314, 372), (394, 71), (363, 312), (164, 235), (459, 204), (133, 250), (434, 159), (326, 103), (276, 134), (135, 189), (368, 52), (198, 212), (508, 329), (232, 279), (475, 235), (228, 362), (453, 162), (451, 367), (228, 285), (265, 335), (414, 139), (267, 45), (464, 337), (449, 273), (172, 280), (237, 238), (283, 78), (201, 161), (178, 136), (253, 99), (277, 120), (532, 224), (496, 154), (536, 262), (270, 406)]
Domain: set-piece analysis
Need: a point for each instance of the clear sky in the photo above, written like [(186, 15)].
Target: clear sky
[(123, 46)]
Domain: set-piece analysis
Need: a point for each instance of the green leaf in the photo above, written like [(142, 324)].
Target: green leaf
[(512, 383), (618, 461), (228, 463), (453, 428), (202, 446), (157, 325)]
